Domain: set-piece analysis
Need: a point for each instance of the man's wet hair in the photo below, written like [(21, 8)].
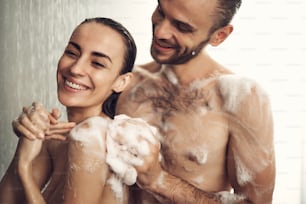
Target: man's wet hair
[(224, 13)]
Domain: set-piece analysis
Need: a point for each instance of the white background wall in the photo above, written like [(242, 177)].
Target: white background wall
[(268, 44)]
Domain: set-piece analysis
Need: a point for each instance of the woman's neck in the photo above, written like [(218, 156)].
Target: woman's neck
[(79, 114)]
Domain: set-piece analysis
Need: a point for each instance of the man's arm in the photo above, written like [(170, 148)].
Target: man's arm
[(251, 159), (170, 189)]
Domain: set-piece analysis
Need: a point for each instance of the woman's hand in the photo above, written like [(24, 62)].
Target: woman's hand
[(28, 150), (35, 122)]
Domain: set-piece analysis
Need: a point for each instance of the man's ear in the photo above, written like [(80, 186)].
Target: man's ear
[(122, 82), (220, 35)]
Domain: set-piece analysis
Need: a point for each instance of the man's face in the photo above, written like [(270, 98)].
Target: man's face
[(180, 29)]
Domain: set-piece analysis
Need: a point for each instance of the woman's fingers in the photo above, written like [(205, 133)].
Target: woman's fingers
[(59, 130), (60, 127), (32, 122), (35, 122), (56, 113), (26, 125), (21, 130), (54, 116), (36, 118), (56, 137)]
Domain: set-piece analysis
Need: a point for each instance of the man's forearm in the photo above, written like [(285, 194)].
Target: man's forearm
[(171, 189)]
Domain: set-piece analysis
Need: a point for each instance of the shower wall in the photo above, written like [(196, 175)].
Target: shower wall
[(33, 34)]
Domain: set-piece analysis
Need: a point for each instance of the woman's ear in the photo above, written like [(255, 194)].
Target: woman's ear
[(122, 82), (220, 35)]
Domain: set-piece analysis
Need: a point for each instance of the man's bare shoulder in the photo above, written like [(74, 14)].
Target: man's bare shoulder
[(152, 67), (141, 72), (239, 91), (250, 119)]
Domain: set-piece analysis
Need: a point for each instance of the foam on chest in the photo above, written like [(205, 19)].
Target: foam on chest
[(188, 118)]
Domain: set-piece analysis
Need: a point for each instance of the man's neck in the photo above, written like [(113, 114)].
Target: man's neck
[(200, 67)]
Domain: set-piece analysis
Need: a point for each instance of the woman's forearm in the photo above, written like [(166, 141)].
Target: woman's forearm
[(27, 152), (31, 189)]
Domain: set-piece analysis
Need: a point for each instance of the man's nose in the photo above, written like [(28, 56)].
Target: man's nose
[(163, 30)]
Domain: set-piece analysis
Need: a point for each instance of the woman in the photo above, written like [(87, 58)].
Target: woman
[(94, 68)]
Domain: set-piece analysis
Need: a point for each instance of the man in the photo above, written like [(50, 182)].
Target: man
[(216, 128)]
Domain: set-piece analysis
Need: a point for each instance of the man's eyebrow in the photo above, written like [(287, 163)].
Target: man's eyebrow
[(94, 53), (187, 25)]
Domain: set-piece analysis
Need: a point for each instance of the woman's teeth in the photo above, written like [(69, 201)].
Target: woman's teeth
[(74, 86)]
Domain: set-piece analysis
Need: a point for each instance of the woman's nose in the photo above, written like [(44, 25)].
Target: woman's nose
[(78, 68)]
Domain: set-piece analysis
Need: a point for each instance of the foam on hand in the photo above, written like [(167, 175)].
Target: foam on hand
[(127, 139)]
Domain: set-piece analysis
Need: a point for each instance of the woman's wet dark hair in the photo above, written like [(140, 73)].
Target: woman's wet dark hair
[(109, 105)]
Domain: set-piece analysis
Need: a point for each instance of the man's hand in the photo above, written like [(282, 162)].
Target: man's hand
[(150, 170), (133, 143), (35, 122)]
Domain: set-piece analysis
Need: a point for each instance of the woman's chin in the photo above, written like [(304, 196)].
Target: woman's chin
[(68, 102)]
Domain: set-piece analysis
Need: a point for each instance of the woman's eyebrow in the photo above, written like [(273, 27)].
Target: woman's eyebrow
[(94, 53), (75, 45), (100, 54)]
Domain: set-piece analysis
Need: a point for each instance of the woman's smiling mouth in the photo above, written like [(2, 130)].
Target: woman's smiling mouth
[(75, 86)]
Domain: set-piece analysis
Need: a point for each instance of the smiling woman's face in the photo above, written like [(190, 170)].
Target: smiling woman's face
[(90, 65)]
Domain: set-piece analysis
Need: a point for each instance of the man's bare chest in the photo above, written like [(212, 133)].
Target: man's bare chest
[(190, 119)]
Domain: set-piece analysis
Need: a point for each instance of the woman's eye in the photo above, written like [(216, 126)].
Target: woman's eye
[(70, 53), (98, 64)]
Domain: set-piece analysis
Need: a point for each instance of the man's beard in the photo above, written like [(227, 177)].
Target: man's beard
[(181, 58)]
